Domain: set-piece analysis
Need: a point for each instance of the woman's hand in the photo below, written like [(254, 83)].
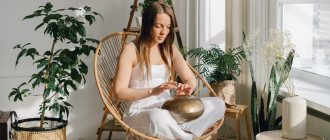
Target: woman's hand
[(163, 87), (183, 89)]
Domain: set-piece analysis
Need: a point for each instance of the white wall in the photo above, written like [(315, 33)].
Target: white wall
[(86, 115)]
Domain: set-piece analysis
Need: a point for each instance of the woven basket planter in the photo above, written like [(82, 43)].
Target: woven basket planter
[(28, 129), (226, 91)]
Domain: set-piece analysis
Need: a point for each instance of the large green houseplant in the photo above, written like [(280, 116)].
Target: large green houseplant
[(59, 68), (220, 68)]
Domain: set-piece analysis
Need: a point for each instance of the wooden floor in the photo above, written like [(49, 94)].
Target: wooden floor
[(121, 136), (115, 136)]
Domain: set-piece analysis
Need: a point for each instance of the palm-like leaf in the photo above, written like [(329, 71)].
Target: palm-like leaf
[(216, 64)]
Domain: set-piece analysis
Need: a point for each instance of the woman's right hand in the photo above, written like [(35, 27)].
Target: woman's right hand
[(183, 89), (163, 87)]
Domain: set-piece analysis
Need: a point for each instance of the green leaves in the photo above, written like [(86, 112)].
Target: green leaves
[(254, 108), (41, 62), (90, 19), (275, 53), (18, 93), (61, 26), (75, 75), (22, 52), (96, 13), (81, 29), (59, 69), (48, 7), (216, 64), (143, 6)]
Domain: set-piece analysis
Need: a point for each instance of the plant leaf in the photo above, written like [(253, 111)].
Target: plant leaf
[(71, 84), (48, 5), (75, 75), (95, 13), (41, 62), (29, 16), (90, 19), (83, 68), (46, 93), (41, 24), (67, 104), (93, 40), (31, 52), (18, 97), (73, 9), (81, 30), (19, 56)]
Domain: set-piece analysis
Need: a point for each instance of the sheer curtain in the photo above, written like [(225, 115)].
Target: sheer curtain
[(258, 16), (249, 16), (246, 16)]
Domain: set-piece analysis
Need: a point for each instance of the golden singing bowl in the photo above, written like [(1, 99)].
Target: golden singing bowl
[(184, 108)]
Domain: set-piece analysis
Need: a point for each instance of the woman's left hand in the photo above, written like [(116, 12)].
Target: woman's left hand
[(183, 89)]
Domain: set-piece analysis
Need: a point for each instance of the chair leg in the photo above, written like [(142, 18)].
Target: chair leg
[(110, 135), (248, 125), (238, 127), (99, 134)]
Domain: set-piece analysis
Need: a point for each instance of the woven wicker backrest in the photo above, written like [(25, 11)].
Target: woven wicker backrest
[(105, 62)]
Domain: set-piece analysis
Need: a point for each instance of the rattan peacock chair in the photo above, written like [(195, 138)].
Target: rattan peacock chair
[(105, 62)]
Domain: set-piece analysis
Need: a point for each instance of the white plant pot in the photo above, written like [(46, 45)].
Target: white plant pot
[(294, 111)]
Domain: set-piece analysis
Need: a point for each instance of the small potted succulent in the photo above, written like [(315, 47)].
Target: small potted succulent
[(59, 68)]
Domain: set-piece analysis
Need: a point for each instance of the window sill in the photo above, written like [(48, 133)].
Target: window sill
[(316, 95)]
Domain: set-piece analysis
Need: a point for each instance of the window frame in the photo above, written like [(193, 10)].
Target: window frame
[(308, 76)]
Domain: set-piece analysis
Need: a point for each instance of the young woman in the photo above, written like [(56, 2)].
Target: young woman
[(143, 80)]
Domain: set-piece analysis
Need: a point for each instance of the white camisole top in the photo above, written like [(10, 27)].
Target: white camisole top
[(137, 80)]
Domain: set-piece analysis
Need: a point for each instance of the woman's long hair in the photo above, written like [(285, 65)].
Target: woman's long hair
[(144, 40)]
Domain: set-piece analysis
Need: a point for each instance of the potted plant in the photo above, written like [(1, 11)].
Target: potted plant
[(59, 68), (220, 68), (142, 6), (277, 54)]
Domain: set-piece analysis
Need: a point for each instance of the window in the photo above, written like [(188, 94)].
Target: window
[(212, 23), (308, 21)]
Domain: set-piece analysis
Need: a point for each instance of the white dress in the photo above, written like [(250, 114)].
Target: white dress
[(146, 115)]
